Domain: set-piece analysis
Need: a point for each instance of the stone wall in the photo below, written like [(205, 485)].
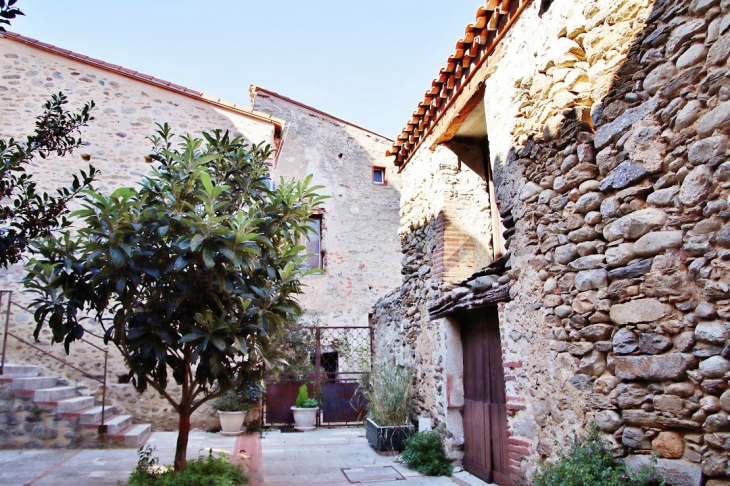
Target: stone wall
[(445, 235), (610, 152), (126, 112), (360, 245)]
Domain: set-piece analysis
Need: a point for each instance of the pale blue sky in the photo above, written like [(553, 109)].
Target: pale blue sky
[(368, 62)]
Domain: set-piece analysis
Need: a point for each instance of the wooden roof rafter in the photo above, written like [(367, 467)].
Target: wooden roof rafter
[(493, 20)]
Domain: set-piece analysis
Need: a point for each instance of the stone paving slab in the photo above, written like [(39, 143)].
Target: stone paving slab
[(286, 459), (19, 467), (317, 458), (92, 467), (98, 466)]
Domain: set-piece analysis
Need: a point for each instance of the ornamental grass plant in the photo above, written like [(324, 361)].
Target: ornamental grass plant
[(389, 394)]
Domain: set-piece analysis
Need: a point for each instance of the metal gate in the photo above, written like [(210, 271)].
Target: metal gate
[(332, 362)]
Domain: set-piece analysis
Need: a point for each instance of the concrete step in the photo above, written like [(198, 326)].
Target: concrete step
[(92, 416), (20, 371), (33, 383), (135, 436), (54, 394), (117, 424), (71, 405)]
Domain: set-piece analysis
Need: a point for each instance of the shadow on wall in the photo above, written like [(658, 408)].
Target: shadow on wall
[(546, 159), (656, 145)]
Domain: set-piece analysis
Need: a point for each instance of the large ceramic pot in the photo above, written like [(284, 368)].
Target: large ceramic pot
[(387, 438), (231, 422), (304, 418)]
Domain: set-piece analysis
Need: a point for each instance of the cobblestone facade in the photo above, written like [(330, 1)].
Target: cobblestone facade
[(610, 153)]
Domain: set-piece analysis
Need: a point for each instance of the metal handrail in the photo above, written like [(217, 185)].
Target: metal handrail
[(7, 333)]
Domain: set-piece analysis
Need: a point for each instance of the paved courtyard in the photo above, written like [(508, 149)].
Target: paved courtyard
[(326, 456), (322, 457)]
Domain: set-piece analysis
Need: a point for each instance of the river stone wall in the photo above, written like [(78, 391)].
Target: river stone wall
[(610, 152), (445, 234)]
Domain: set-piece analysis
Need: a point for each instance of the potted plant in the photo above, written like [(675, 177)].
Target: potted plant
[(305, 411), (232, 408), (389, 407)]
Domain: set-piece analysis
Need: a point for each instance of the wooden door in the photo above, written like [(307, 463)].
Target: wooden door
[(485, 411)]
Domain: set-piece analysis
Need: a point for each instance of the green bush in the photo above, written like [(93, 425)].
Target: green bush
[(425, 452), (589, 462), (242, 399), (204, 471), (233, 401), (303, 400)]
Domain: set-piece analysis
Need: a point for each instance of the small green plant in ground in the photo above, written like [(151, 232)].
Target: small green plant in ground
[(204, 471), (254, 428), (425, 453), (589, 462), (303, 400)]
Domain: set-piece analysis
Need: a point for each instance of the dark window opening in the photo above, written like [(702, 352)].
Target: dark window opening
[(379, 175), (544, 6), (328, 361), (313, 244)]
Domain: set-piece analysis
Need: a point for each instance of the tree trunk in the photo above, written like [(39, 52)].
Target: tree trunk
[(182, 439)]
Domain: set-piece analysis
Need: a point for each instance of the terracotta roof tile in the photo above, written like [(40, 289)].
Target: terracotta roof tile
[(493, 19), (145, 78)]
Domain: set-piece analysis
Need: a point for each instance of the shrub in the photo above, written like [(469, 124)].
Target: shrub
[(204, 471), (303, 400), (242, 399), (389, 395), (589, 462), (233, 401), (425, 452)]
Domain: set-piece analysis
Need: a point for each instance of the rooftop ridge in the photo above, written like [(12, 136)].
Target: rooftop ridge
[(493, 20), (145, 78), (254, 89)]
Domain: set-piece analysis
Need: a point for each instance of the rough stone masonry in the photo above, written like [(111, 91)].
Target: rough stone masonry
[(609, 150), (360, 249)]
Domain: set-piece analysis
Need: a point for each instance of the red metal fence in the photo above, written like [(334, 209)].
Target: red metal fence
[(332, 362)]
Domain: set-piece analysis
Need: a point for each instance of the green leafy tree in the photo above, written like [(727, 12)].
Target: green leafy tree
[(192, 274), (25, 213), (8, 12)]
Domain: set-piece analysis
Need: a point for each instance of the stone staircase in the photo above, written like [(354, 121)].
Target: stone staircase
[(46, 412)]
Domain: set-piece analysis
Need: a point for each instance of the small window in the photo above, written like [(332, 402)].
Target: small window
[(379, 175), (313, 243)]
